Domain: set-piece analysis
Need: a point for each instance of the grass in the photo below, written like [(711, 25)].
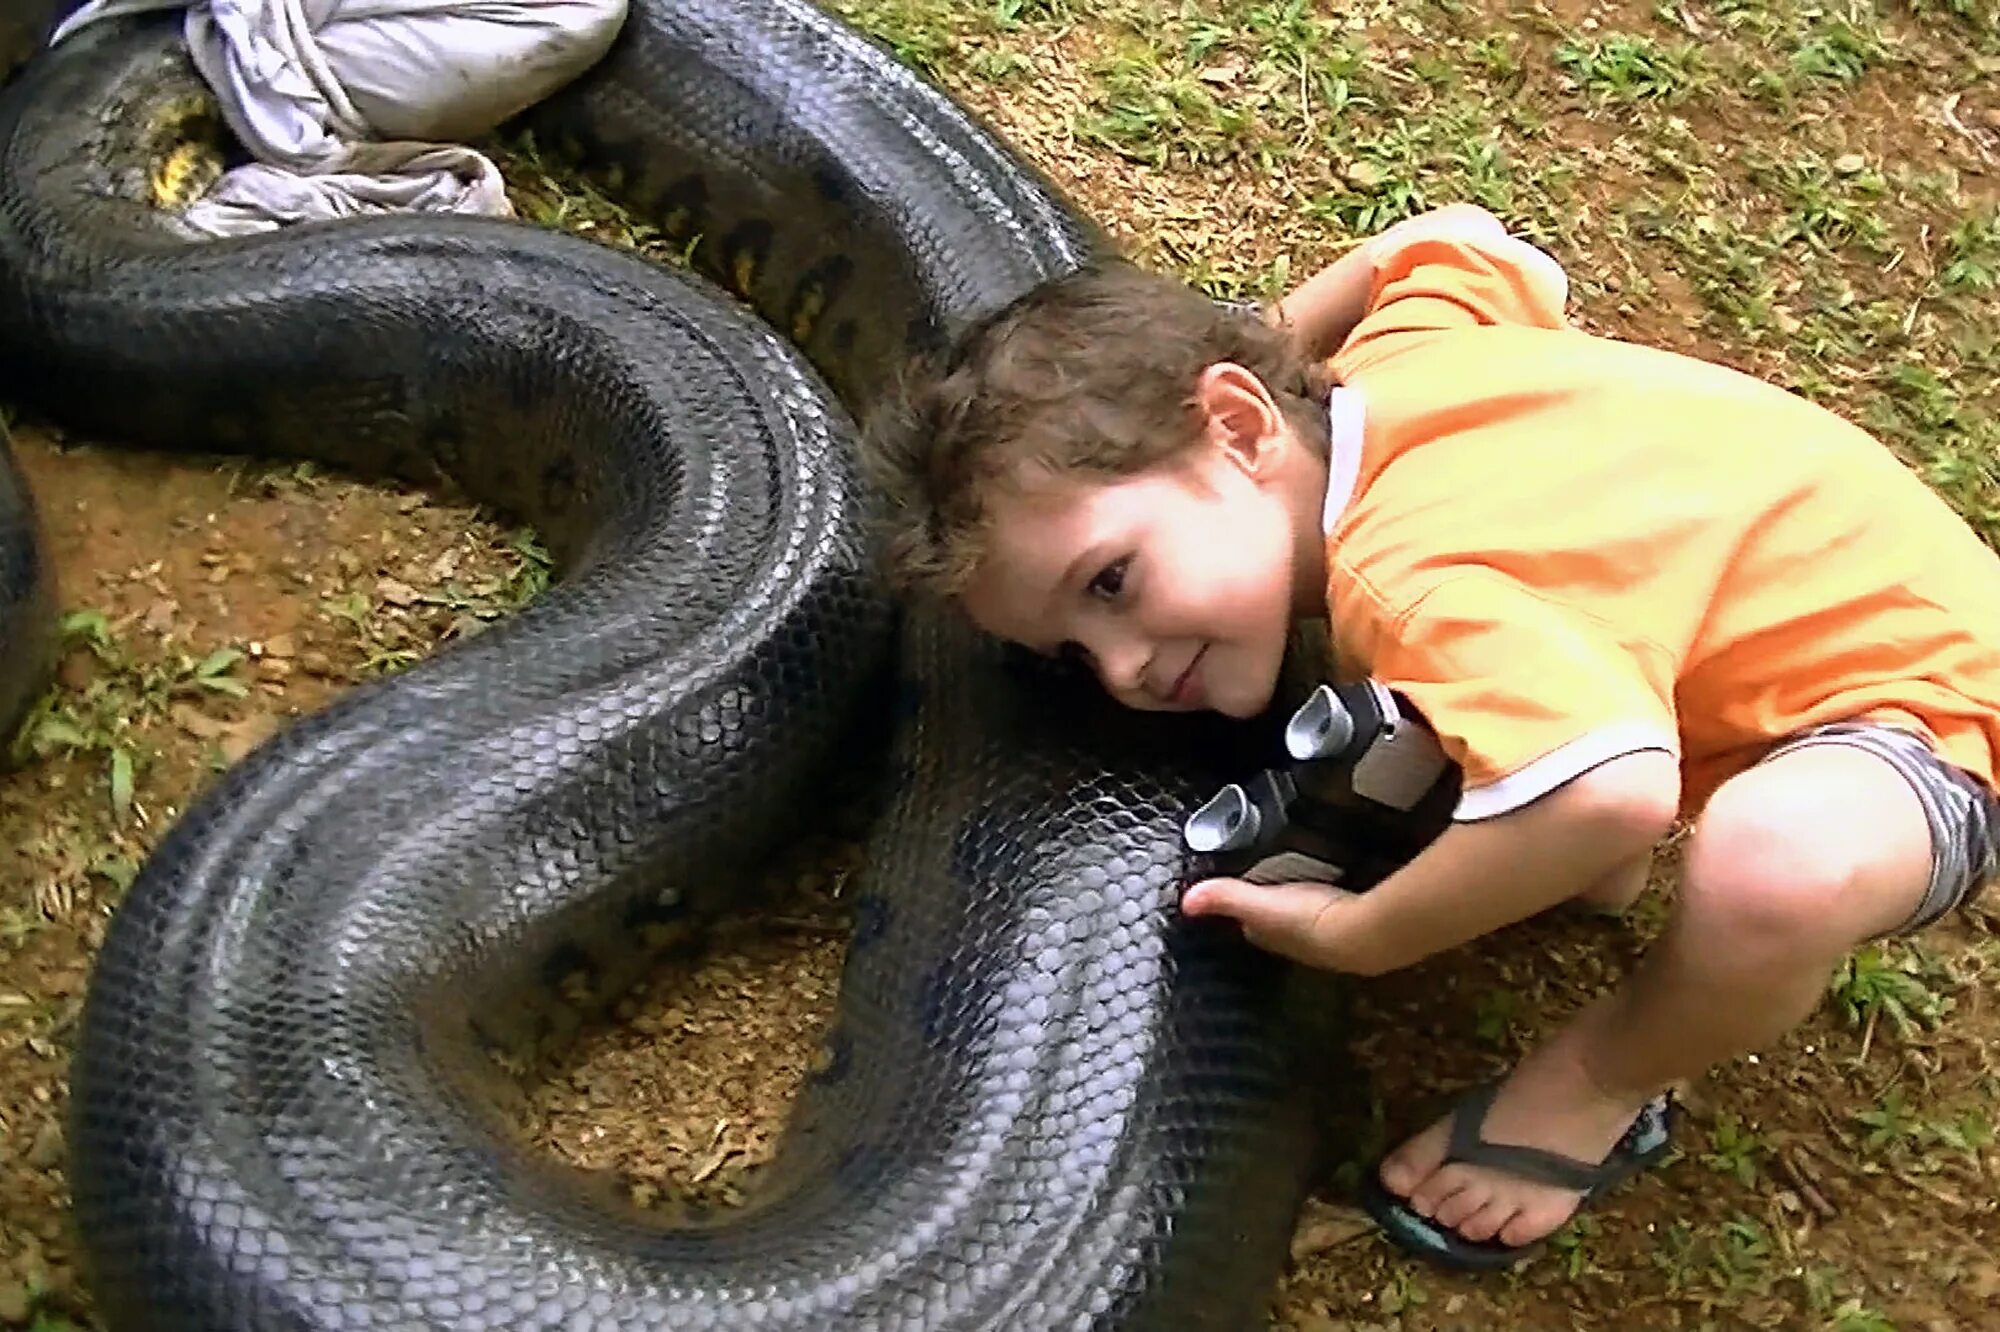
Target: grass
[(388, 624), (1899, 982), (1623, 67), (1733, 1150), (104, 717), (45, 1320)]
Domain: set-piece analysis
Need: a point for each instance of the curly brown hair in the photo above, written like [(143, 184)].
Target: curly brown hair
[(1092, 372)]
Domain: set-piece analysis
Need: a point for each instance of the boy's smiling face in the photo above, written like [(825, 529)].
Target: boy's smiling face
[(1178, 585)]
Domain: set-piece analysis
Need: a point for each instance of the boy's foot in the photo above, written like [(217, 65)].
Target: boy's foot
[(1483, 1186)]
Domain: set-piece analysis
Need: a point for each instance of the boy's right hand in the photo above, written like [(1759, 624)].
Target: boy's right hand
[(1313, 923)]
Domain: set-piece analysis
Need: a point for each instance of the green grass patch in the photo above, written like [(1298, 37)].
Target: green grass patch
[(1631, 67), (104, 719)]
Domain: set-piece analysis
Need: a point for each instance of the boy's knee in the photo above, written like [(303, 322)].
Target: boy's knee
[(1630, 801), (1762, 872)]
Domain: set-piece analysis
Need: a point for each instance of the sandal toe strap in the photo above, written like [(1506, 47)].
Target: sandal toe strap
[(1541, 1165)]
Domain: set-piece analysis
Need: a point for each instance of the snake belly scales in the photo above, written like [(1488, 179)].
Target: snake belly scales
[(1045, 1101)]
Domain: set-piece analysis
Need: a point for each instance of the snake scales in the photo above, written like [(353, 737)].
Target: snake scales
[(1047, 1102)]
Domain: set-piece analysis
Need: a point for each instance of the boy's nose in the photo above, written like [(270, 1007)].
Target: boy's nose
[(1122, 666)]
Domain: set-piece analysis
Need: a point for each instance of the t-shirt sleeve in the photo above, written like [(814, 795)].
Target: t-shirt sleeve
[(1524, 693), (1454, 269)]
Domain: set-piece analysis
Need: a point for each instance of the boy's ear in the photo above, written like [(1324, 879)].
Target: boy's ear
[(1238, 414)]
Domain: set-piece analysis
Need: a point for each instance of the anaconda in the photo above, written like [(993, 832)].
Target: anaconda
[(1047, 1101)]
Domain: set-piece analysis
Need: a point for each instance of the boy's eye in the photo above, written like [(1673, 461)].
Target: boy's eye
[(1110, 581)]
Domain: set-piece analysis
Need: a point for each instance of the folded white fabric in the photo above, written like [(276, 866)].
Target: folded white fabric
[(344, 102)]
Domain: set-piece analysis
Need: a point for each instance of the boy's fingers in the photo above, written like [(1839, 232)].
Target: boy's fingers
[(1283, 918)]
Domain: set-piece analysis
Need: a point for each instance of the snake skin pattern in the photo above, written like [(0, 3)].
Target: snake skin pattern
[(1047, 1102), (27, 591)]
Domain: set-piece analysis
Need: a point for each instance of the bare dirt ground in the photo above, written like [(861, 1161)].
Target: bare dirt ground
[(1807, 191)]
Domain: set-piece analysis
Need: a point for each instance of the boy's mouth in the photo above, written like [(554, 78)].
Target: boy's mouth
[(1187, 689)]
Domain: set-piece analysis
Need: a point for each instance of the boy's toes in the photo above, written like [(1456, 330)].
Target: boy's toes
[(1487, 1222), (1442, 1185), (1406, 1168), (1536, 1221), (1457, 1208)]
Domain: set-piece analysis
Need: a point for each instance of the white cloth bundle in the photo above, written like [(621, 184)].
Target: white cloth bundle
[(343, 102)]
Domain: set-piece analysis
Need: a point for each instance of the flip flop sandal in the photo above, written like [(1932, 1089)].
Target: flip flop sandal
[(1648, 1140)]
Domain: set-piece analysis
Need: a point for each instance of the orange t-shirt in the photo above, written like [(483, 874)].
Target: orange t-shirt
[(1563, 548)]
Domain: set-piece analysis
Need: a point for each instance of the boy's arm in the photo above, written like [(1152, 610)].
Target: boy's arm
[(1324, 308), (1474, 879)]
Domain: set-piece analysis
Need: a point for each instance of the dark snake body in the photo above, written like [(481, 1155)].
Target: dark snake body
[(1048, 1102)]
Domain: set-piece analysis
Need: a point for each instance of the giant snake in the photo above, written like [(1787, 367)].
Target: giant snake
[(1046, 1101)]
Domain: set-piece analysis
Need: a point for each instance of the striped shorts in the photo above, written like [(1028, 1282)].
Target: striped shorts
[(1964, 816)]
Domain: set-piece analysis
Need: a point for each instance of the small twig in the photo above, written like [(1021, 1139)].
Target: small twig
[(718, 1153), (1806, 1182), (1895, 1076), (1948, 112), (1944, 1196), (1781, 1230), (1305, 96), (1839, 1134), (806, 925)]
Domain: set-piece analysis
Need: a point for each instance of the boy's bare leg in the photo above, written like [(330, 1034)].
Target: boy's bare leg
[(1793, 863), (1619, 889)]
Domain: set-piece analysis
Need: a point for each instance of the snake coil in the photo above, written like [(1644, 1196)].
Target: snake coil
[(1047, 1102)]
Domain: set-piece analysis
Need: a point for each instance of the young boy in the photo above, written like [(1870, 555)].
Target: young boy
[(1620, 585)]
